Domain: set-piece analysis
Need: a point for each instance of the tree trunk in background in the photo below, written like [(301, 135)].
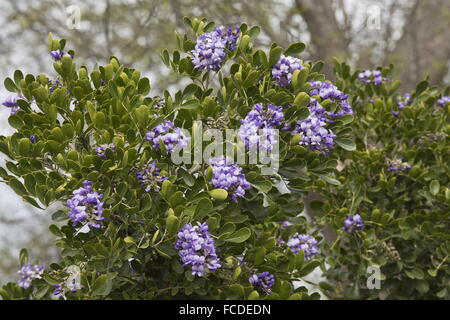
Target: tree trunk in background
[(327, 37), (424, 48)]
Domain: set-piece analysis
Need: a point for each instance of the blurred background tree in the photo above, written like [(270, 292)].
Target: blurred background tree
[(365, 33), (412, 34)]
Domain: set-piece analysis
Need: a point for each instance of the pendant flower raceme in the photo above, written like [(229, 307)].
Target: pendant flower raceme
[(171, 136), (326, 90), (313, 132), (258, 126), (283, 69), (150, 177), (303, 242), (211, 48), (196, 249), (263, 280), (352, 223), (11, 102), (85, 205), (28, 273), (372, 76), (228, 176)]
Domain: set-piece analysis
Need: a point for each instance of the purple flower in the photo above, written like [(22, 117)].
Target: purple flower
[(303, 242), (32, 139), (229, 35), (443, 101), (264, 280), (58, 55), (150, 177), (100, 150), (171, 136), (404, 101), (397, 165), (352, 223), (370, 76), (312, 129), (229, 176), (54, 85), (71, 282), (28, 273), (211, 48), (326, 90), (284, 224), (261, 120), (196, 248), (282, 71), (85, 205), (11, 102)]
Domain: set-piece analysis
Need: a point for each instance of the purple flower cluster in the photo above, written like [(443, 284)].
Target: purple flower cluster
[(352, 223), (443, 101), (326, 90), (229, 35), (404, 101), (303, 242), (171, 136), (85, 205), (229, 176), (261, 120), (100, 150), (370, 76), (211, 48), (28, 273), (150, 177), (313, 131), (282, 70), (397, 165), (196, 248), (69, 283), (264, 280), (58, 55), (11, 102)]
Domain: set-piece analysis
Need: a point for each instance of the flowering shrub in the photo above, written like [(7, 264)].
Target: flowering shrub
[(138, 219), (134, 222), (391, 210)]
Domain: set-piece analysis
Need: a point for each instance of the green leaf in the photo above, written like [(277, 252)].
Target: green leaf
[(254, 295), (331, 180), (17, 186), (434, 187), (295, 48), (239, 236), (346, 144), (274, 55), (102, 285), (175, 199), (422, 86), (99, 120), (23, 256), (172, 224), (144, 86), (219, 194), (10, 85)]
